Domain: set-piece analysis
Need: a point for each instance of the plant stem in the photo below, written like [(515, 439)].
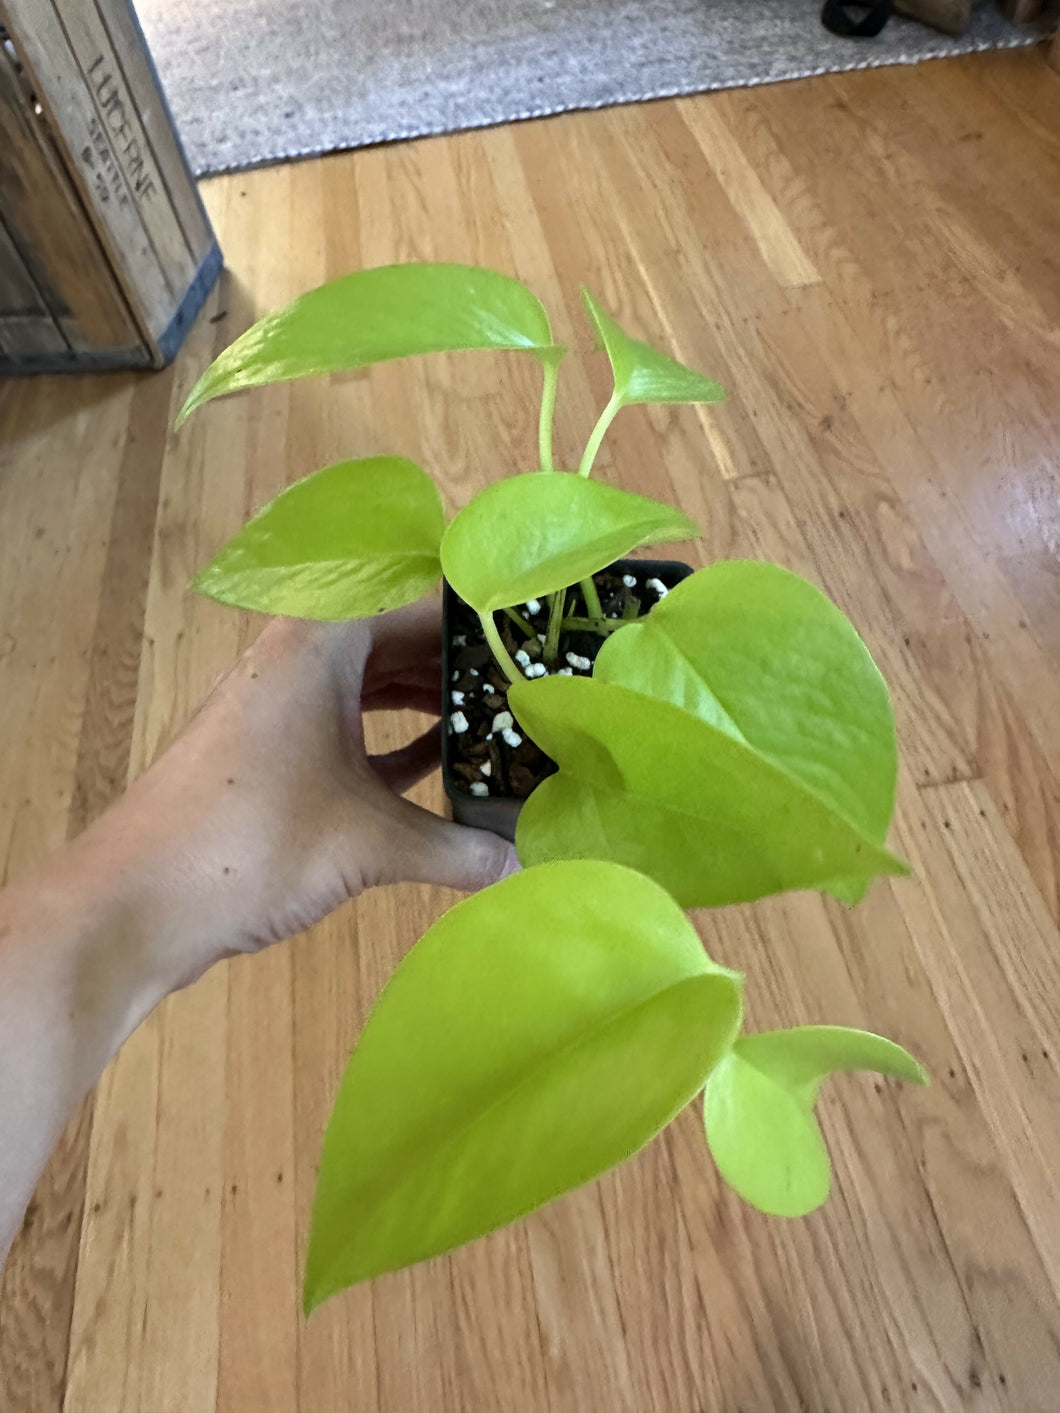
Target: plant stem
[(601, 626), (500, 652), (550, 655), (520, 623), (596, 436), (592, 599), (550, 370)]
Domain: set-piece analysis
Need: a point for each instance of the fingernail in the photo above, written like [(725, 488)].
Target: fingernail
[(512, 865)]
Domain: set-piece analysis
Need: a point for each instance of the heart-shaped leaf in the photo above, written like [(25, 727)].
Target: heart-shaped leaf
[(641, 373), (657, 788), (758, 1110), (531, 535), (539, 1033), (762, 655), (348, 541), (375, 315)]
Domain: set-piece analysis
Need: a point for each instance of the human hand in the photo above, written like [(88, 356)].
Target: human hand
[(264, 815), (267, 813)]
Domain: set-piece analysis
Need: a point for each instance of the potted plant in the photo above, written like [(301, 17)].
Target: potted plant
[(668, 740)]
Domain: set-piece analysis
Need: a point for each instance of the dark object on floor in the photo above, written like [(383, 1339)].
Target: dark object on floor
[(856, 21), (865, 21), (106, 252)]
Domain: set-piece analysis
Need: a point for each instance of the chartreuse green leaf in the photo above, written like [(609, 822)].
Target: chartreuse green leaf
[(375, 315), (346, 542), (641, 373), (531, 535), (763, 656), (539, 1033), (655, 787), (758, 1110)]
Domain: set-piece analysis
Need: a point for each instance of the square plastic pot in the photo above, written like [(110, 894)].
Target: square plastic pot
[(500, 813)]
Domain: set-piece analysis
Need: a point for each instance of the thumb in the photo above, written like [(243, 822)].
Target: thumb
[(421, 847)]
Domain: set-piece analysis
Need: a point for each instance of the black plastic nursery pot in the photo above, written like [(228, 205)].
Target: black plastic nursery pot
[(489, 766)]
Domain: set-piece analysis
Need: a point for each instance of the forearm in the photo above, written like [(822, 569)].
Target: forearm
[(80, 967)]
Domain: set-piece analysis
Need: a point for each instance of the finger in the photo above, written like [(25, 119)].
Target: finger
[(408, 636), (420, 847), (399, 770), (292, 643), (425, 673), (399, 697)]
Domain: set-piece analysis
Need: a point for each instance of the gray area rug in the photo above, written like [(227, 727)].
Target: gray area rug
[(258, 81)]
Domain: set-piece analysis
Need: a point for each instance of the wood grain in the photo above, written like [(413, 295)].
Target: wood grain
[(57, 66), (97, 194), (868, 263), (59, 506), (43, 216), (26, 327)]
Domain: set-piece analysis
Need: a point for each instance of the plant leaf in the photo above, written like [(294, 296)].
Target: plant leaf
[(531, 535), (758, 1110), (654, 787), (641, 373), (348, 541), (539, 1033), (763, 655), (375, 315)]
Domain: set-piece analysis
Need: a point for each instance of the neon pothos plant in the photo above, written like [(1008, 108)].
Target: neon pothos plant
[(736, 742)]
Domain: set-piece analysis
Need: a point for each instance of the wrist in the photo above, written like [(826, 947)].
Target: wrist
[(76, 979), (80, 968), (107, 919), (81, 929)]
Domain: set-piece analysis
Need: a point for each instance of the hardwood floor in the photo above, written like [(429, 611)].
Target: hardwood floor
[(870, 264)]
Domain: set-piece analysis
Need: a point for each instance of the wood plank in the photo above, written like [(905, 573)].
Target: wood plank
[(24, 337), (972, 131), (130, 49), (105, 67), (789, 264), (997, 685), (997, 995), (337, 1359), (107, 750), (929, 1148), (69, 603), (18, 293), (105, 183), (102, 770), (45, 219), (27, 328), (258, 1358), (135, 1207)]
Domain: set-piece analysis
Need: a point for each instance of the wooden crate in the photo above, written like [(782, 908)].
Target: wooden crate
[(106, 252)]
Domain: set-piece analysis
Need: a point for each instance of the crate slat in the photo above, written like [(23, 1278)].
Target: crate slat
[(100, 207), (128, 39), (47, 224), (27, 329), (63, 91)]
